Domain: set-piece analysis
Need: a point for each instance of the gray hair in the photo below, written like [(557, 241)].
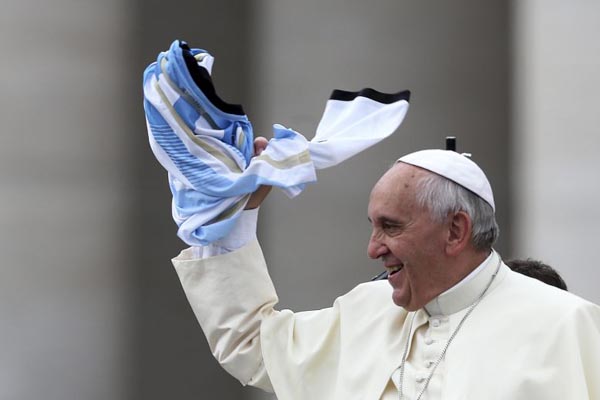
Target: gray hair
[(442, 196)]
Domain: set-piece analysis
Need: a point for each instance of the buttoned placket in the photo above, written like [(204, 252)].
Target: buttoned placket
[(428, 343)]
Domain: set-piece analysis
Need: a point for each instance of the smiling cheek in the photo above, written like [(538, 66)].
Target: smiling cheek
[(415, 284), (401, 293), (410, 289)]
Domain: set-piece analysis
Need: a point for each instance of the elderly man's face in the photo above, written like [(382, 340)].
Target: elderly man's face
[(406, 239)]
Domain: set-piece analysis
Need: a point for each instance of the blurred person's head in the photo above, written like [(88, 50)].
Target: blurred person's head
[(538, 270)]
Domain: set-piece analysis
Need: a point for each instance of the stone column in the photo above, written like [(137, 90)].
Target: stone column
[(555, 160), (65, 306)]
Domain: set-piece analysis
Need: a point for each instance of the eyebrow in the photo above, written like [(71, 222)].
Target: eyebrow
[(384, 218)]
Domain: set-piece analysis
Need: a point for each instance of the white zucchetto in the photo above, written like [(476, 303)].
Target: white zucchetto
[(456, 167)]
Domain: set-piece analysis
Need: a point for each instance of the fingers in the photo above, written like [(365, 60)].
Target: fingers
[(260, 143)]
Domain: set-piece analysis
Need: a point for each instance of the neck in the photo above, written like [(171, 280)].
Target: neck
[(457, 268), (465, 263), (465, 291)]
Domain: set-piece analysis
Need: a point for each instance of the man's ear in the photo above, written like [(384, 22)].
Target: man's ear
[(459, 233)]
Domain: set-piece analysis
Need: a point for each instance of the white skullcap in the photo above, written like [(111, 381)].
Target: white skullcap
[(456, 167)]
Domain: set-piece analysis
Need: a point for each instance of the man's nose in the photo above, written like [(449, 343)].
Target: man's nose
[(376, 249)]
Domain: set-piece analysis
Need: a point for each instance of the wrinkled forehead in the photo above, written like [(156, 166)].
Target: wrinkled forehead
[(394, 196), (399, 182), (401, 176)]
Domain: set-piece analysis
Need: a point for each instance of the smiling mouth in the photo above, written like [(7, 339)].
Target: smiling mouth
[(392, 269)]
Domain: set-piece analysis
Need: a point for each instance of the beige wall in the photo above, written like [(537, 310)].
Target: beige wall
[(64, 214), (556, 161)]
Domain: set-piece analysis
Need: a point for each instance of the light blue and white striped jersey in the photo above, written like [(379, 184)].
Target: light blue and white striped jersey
[(206, 144)]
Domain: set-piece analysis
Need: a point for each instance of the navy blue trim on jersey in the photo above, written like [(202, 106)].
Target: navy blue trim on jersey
[(202, 78), (384, 98)]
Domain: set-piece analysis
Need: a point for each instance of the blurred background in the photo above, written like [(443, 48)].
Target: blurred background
[(90, 306)]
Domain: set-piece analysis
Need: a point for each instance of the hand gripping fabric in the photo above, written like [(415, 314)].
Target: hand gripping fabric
[(206, 144)]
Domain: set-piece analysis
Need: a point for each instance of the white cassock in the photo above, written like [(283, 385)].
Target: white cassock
[(524, 341)]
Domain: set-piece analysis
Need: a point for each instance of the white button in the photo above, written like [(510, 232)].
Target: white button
[(435, 323), (429, 364), (428, 341), (420, 379)]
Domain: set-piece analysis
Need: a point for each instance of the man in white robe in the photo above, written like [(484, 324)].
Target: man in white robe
[(452, 322)]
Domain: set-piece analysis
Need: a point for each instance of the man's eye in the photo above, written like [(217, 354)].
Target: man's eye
[(388, 227)]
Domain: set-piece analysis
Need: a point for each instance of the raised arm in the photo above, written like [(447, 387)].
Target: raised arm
[(230, 295), (230, 291)]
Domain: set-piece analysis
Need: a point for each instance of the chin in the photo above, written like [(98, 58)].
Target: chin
[(400, 302)]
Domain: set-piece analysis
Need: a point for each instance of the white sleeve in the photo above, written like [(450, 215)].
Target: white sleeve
[(231, 294), (243, 233)]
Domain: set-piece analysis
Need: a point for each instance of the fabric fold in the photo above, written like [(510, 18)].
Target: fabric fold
[(206, 144)]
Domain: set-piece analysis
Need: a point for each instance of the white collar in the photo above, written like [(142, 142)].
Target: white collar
[(464, 293)]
